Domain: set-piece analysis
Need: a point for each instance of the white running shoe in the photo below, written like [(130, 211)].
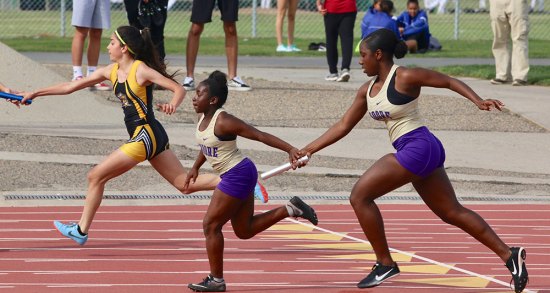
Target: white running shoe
[(237, 84), (282, 48), (293, 48), (189, 84)]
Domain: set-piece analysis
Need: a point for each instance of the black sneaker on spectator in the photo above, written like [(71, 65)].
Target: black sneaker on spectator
[(499, 81), (208, 285), (237, 84), (379, 274), (516, 265), (189, 84), (344, 76), (331, 77)]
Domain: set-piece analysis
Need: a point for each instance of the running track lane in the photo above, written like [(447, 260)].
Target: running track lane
[(161, 249)]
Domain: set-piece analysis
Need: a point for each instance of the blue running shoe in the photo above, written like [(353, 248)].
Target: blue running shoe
[(71, 231), (260, 192)]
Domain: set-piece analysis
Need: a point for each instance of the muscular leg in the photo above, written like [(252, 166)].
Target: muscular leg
[(222, 207), (193, 41), (438, 194), (382, 177), (246, 225), (231, 47), (169, 167), (117, 163)]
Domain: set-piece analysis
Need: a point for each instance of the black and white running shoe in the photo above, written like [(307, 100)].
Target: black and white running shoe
[(379, 274), (189, 84), (303, 210), (208, 285), (516, 265), (237, 84)]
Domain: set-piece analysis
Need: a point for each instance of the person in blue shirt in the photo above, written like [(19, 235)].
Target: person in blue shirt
[(414, 29), (369, 15), (379, 16)]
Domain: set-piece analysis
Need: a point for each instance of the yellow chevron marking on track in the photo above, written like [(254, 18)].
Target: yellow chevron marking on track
[(345, 246), (309, 236), (290, 227), (469, 282), (371, 256)]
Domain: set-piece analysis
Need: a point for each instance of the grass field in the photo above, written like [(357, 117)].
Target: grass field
[(41, 31), (309, 24)]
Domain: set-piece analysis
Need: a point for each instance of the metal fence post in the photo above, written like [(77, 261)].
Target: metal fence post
[(457, 13), (254, 7), (62, 11)]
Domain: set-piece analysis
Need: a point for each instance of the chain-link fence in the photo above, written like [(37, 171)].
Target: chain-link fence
[(462, 20)]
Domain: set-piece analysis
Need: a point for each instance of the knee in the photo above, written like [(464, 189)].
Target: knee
[(243, 234), (195, 31), (95, 34), (94, 177), (358, 201), (210, 227), (291, 17), (183, 189), (450, 216), (230, 30)]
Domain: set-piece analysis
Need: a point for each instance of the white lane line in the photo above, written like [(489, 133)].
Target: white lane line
[(411, 255)]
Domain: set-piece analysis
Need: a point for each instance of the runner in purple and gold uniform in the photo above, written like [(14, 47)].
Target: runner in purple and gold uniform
[(392, 96)]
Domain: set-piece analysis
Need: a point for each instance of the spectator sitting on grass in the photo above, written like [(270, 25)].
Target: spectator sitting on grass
[(414, 29), (381, 19)]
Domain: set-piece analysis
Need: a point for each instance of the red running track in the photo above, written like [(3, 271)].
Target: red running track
[(161, 249)]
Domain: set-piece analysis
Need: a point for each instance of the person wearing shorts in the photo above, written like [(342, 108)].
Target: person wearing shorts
[(135, 68), (392, 97), (201, 13), (89, 18), (233, 199)]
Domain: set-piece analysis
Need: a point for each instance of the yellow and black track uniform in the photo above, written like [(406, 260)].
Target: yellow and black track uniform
[(147, 136)]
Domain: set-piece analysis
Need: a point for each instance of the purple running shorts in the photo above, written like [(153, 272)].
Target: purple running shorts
[(240, 180), (419, 151)]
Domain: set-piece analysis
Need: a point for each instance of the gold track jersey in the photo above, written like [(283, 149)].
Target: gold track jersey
[(147, 136), (221, 154), (398, 111)]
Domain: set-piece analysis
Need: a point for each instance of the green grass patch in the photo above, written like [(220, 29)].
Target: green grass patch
[(266, 47), (538, 75)]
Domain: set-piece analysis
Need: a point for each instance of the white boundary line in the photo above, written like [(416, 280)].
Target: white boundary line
[(411, 255)]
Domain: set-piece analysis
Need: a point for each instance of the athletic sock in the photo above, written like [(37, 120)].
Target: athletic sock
[(77, 71), (292, 212), (90, 70), (219, 280), (80, 231)]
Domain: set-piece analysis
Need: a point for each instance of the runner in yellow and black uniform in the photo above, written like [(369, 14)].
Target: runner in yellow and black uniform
[(147, 136)]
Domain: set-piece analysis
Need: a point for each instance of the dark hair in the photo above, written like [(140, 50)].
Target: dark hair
[(385, 40), (413, 1), (217, 86), (141, 46), (386, 6)]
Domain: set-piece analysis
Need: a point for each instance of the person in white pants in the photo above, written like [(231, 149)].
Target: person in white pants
[(509, 20), (537, 6), (430, 5)]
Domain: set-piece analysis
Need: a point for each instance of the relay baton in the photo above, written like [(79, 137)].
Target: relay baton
[(9, 96), (281, 169)]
